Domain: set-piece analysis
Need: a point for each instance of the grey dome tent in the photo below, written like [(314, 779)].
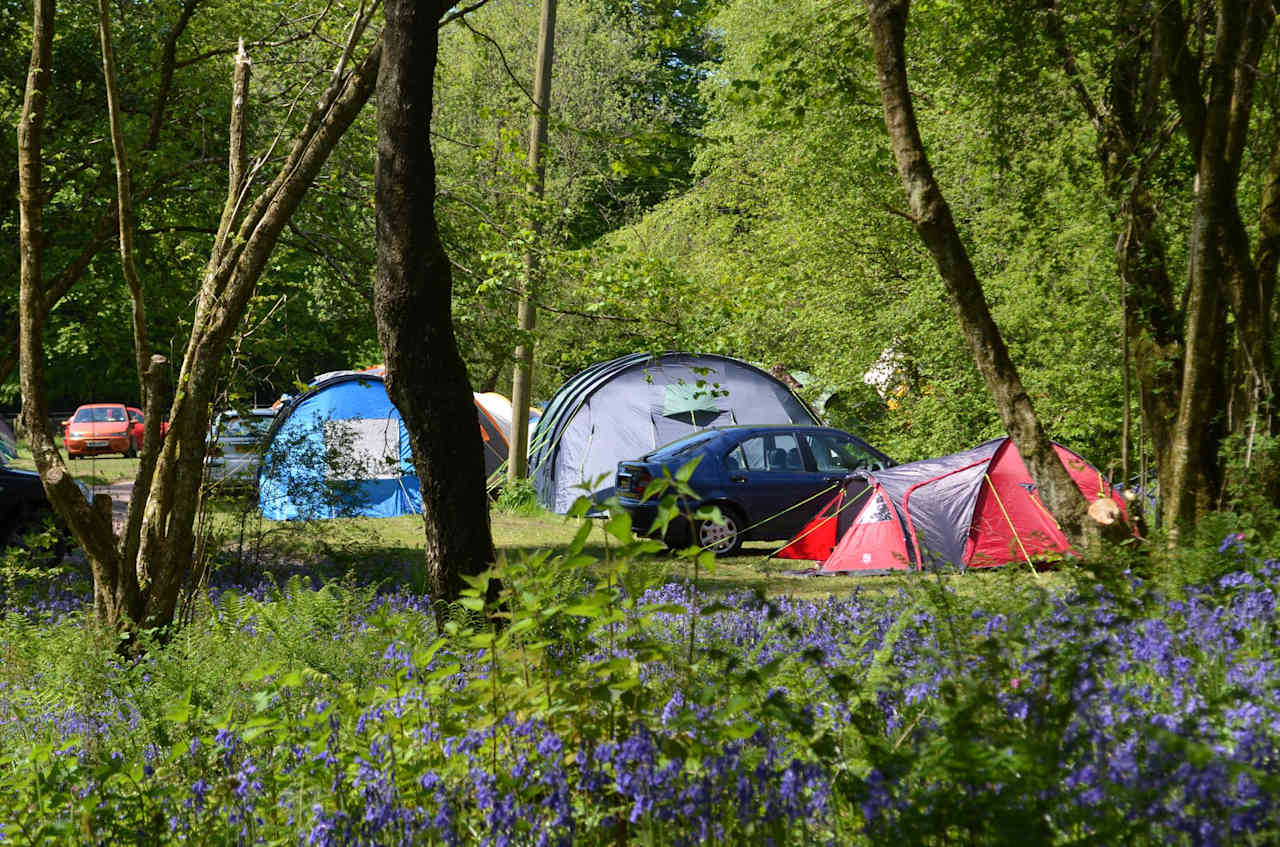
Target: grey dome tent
[(625, 407)]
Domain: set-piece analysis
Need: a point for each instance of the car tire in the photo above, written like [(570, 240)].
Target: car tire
[(677, 536), (723, 539), (132, 452)]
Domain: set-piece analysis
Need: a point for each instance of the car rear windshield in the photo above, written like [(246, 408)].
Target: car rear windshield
[(682, 447), (237, 427), (100, 414)]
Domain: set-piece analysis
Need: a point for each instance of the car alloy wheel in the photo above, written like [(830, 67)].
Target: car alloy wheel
[(723, 539)]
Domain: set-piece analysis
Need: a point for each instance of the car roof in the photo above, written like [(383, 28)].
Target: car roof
[(732, 429), (740, 427), (715, 433), (98, 405)]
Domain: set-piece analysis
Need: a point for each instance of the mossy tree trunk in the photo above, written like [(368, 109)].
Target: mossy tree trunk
[(933, 221), (138, 576), (1193, 389)]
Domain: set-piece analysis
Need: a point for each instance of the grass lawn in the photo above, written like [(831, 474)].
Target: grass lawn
[(95, 471), (394, 545)]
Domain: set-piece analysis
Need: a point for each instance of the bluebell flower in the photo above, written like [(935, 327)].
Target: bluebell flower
[(1233, 541)]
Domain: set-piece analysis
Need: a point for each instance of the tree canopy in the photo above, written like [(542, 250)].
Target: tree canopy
[(719, 179)]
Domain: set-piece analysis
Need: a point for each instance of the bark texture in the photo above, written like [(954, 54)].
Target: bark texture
[(933, 221), (1193, 389), (138, 578), (426, 377)]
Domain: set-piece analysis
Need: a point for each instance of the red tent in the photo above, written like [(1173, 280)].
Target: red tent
[(976, 509)]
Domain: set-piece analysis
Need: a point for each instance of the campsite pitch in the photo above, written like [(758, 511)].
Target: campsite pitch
[(395, 545)]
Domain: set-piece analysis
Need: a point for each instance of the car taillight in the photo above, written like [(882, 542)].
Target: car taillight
[(634, 480), (640, 480)]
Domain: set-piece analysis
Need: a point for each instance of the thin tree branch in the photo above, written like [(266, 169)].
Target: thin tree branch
[(1070, 66), (124, 203), (502, 57), (459, 14), (316, 249), (168, 56)]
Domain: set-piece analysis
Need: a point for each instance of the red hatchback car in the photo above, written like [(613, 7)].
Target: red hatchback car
[(104, 428)]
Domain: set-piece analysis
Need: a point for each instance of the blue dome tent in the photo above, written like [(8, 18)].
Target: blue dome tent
[(340, 449)]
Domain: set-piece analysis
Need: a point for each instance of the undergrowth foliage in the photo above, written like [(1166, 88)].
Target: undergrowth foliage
[(593, 702)]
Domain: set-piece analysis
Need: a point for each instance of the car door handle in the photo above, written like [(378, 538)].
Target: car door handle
[(737, 478)]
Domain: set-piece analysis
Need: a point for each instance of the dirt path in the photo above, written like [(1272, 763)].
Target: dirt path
[(120, 493)]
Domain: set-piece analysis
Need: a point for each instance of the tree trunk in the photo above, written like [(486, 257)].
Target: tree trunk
[(124, 199), (1256, 298), (1216, 125), (426, 377), (137, 582), (933, 221), (1180, 353), (522, 378), (167, 538)]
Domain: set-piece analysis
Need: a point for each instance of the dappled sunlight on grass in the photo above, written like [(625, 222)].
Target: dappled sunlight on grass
[(394, 546), (94, 471)]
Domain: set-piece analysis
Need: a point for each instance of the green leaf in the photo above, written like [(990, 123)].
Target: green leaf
[(261, 672), (619, 526)]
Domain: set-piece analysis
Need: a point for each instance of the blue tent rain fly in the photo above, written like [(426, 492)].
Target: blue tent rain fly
[(341, 450), (623, 408), (338, 450), (8, 443)]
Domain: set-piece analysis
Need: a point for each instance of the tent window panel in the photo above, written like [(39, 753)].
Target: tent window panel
[(876, 512), (681, 399), (362, 448)]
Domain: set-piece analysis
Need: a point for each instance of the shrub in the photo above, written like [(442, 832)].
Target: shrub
[(593, 703)]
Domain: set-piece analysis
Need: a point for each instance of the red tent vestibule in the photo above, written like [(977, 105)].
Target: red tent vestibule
[(976, 509)]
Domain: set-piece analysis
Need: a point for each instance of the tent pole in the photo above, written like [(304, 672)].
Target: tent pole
[(1016, 537)]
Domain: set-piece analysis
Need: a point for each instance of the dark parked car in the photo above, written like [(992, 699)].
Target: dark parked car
[(756, 475), (24, 508)]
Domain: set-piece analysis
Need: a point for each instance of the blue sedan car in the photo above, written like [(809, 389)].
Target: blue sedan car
[(765, 479)]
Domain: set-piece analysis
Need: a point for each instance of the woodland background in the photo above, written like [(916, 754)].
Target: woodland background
[(718, 181)]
